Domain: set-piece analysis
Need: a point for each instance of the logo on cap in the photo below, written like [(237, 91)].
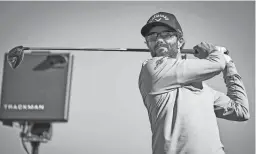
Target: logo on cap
[(158, 17)]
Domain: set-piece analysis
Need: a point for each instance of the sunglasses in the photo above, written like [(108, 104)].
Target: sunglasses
[(165, 34)]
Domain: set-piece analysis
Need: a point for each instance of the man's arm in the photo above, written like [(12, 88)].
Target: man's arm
[(233, 106), (167, 73)]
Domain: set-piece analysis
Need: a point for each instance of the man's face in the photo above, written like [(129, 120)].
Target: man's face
[(162, 41)]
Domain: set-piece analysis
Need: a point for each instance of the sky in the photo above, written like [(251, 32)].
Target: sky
[(107, 115)]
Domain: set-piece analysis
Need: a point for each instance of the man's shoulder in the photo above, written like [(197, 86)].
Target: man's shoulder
[(149, 61), (154, 61), (157, 63)]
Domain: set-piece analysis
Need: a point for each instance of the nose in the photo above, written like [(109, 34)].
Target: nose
[(159, 41)]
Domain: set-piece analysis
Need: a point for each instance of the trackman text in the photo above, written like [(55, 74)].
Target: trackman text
[(24, 107)]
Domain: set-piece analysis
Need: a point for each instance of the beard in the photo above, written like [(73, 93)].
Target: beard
[(166, 50)]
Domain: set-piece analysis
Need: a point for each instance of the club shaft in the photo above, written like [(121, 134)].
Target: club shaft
[(187, 51)]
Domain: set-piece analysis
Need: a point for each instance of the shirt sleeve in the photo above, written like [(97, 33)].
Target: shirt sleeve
[(167, 73), (234, 105)]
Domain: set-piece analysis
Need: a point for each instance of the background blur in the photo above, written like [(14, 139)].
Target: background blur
[(107, 115)]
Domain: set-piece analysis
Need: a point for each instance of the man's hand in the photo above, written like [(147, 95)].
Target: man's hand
[(224, 50), (203, 50)]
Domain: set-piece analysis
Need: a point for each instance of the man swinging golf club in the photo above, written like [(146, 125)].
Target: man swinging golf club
[(182, 109)]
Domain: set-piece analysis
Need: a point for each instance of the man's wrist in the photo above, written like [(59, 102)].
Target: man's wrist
[(230, 69)]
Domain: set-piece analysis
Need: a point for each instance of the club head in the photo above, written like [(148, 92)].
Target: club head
[(15, 56)]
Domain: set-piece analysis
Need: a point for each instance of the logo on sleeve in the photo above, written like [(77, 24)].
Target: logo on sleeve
[(159, 62)]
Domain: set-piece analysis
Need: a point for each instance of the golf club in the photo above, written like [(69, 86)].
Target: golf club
[(15, 56)]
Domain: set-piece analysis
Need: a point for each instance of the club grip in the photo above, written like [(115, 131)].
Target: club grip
[(188, 51)]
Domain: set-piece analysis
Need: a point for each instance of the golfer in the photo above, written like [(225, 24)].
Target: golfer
[(182, 108)]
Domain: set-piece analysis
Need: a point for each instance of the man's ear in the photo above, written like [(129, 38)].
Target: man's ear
[(181, 42)]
